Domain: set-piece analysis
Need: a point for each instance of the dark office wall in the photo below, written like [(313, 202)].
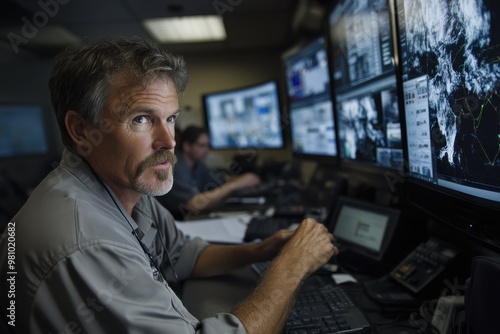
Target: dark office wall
[(25, 82)]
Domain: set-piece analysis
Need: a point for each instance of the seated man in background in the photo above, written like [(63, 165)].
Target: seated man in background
[(196, 188), (92, 250)]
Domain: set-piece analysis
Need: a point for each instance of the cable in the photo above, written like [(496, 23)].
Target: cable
[(143, 246), (169, 258)]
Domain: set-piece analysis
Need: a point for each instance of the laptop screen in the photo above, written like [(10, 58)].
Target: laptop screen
[(363, 228)]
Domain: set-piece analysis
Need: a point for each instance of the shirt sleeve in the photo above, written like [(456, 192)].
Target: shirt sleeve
[(109, 288)]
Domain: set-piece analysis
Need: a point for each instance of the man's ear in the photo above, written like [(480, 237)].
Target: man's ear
[(75, 126)]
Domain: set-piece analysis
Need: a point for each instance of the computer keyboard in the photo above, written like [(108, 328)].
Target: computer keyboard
[(323, 307), (261, 267), (261, 227)]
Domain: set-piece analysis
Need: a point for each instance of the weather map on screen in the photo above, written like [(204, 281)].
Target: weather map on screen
[(451, 77)]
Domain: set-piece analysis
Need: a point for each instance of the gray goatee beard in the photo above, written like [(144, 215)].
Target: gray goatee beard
[(164, 178)]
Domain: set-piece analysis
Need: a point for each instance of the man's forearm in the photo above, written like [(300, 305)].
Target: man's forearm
[(267, 308), (220, 259), (210, 199)]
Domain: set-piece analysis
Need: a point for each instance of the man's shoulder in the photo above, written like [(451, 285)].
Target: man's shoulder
[(66, 211)]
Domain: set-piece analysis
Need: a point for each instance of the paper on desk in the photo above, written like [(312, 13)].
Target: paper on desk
[(343, 278), (228, 229)]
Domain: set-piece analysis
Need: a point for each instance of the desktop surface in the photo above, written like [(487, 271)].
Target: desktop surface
[(204, 297)]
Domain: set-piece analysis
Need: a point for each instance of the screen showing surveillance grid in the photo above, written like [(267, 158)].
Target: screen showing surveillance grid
[(245, 118)]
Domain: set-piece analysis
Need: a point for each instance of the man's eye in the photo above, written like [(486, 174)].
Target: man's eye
[(141, 120), (171, 119)]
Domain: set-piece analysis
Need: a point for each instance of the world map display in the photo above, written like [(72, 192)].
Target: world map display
[(450, 52)]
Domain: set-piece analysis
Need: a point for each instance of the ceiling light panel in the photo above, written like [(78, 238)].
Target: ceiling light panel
[(186, 29)]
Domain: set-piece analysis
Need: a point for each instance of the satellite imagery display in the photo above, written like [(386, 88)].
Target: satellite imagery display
[(450, 52)]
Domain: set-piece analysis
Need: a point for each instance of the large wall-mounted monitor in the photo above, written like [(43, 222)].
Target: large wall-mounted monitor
[(309, 104), (22, 131), (450, 81), (246, 117), (365, 85)]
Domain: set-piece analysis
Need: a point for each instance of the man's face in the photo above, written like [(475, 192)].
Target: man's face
[(136, 154), (199, 150)]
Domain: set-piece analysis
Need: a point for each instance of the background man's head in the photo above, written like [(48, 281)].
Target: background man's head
[(195, 143)]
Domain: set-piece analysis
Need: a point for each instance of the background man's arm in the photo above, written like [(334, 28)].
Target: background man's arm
[(208, 200)]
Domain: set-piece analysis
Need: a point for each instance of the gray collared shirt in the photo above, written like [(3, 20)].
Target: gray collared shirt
[(78, 268)]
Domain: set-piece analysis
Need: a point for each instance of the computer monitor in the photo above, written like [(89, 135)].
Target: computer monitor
[(450, 83), (365, 85), (22, 131), (244, 118), (309, 104), (364, 232)]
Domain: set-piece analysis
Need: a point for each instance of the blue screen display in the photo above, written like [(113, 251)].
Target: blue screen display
[(22, 130)]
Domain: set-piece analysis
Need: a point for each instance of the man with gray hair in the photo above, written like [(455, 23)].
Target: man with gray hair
[(94, 250)]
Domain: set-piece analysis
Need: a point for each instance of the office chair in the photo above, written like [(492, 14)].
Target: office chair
[(482, 296)]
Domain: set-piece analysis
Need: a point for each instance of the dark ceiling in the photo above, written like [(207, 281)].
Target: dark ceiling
[(250, 24)]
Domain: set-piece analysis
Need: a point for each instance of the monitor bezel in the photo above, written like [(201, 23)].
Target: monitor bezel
[(472, 216)]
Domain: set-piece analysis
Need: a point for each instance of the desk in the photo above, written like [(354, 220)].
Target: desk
[(206, 297)]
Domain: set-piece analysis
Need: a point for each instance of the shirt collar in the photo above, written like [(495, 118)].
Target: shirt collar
[(79, 167)]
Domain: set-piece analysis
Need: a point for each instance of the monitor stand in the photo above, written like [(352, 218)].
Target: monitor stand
[(386, 291)]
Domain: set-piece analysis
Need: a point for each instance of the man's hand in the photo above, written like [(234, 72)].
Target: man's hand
[(307, 249), (271, 246), (310, 247)]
